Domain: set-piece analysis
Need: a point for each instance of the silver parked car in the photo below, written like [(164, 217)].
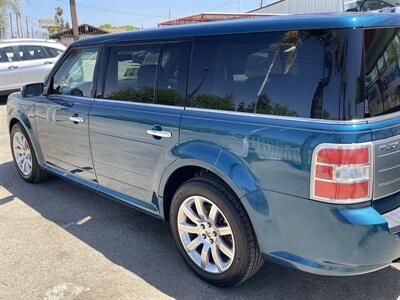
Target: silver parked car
[(24, 61)]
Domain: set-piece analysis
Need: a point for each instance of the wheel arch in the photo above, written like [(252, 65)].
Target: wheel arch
[(26, 124), (184, 169)]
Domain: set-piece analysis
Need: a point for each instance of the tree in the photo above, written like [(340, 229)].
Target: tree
[(126, 27), (105, 26), (4, 6), (59, 18)]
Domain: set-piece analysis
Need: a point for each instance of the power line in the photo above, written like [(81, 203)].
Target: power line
[(115, 11)]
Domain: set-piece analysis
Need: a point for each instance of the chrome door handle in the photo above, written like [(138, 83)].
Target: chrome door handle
[(76, 120), (159, 133), (12, 67)]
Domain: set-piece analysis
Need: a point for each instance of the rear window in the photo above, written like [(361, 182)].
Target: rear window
[(382, 68), (276, 73)]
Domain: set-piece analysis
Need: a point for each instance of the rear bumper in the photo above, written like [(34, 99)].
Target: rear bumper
[(323, 238)]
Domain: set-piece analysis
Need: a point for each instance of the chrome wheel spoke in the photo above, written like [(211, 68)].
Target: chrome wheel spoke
[(205, 256), (193, 244), (188, 228), (213, 213), (225, 230), (225, 249), (191, 214), (201, 211), (217, 258)]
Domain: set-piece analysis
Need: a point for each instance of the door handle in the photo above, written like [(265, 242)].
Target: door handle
[(48, 62), (159, 133), (12, 67), (76, 119)]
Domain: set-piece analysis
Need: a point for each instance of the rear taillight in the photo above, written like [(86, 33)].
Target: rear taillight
[(342, 173)]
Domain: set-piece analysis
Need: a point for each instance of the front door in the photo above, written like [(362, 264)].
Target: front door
[(62, 115), (135, 126)]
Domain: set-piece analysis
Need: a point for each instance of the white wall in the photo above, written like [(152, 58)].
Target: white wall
[(303, 6)]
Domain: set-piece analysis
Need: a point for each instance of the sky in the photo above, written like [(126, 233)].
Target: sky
[(139, 13)]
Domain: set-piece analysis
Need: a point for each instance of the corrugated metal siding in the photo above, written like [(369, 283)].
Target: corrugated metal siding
[(303, 7)]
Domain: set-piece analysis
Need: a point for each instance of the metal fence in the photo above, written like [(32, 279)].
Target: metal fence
[(20, 26)]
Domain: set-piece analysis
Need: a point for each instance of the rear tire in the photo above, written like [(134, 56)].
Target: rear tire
[(24, 155), (208, 221)]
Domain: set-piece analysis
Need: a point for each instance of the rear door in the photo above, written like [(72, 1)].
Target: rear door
[(9, 69), (135, 124), (35, 63)]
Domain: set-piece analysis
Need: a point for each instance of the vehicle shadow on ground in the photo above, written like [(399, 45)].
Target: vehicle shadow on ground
[(143, 245)]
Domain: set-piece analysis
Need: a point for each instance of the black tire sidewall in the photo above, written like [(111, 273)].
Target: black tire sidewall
[(240, 263), (35, 166)]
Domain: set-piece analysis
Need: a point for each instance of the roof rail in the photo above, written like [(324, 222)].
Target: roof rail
[(18, 40)]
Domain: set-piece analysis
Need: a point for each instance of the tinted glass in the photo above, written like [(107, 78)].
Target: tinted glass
[(31, 52), (75, 76), (7, 55), (277, 73), (377, 4), (172, 74), (131, 73), (382, 66), (52, 52)]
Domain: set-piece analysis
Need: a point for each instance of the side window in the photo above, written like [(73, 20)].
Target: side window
[(53, 52), (279, 73), (31, 52), (131, 73), (382, 68), (75, 75), (7, 55), (172, 74)]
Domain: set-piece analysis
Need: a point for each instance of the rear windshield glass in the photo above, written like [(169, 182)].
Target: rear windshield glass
[(382, 58)]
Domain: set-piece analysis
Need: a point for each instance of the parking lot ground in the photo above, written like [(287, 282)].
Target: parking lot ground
[(60, 241)]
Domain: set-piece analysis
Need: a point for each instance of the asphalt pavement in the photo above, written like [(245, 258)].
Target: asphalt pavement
[(61, 241)]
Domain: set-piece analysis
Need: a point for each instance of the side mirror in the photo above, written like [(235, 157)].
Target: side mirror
[(32, 90), (354, 9)]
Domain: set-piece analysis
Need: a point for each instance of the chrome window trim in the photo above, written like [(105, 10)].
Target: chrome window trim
[(383, 117), (140, 103), (276, 117), (264, 116)]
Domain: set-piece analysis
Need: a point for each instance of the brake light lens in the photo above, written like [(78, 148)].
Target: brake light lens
[(342, 173)]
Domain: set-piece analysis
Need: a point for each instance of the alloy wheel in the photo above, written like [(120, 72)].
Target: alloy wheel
[(22, 153), (206, 235)]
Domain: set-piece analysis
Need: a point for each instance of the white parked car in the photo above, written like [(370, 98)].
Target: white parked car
[(24, 61)]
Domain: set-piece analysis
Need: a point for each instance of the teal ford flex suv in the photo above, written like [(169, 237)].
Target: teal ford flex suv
[(273, 138)]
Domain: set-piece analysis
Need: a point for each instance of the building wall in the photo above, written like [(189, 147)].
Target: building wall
[(302, 7)]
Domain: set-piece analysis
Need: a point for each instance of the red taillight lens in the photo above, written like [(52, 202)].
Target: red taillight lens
[(342, 173)]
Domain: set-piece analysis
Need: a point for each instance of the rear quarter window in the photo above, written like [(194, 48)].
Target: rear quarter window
[(277, 73), (382, 71)]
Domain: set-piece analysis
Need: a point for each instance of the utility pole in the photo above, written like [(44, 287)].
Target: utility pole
[(27, 28), (74, 19), (261, 4), (11, 27), (16, 20)]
